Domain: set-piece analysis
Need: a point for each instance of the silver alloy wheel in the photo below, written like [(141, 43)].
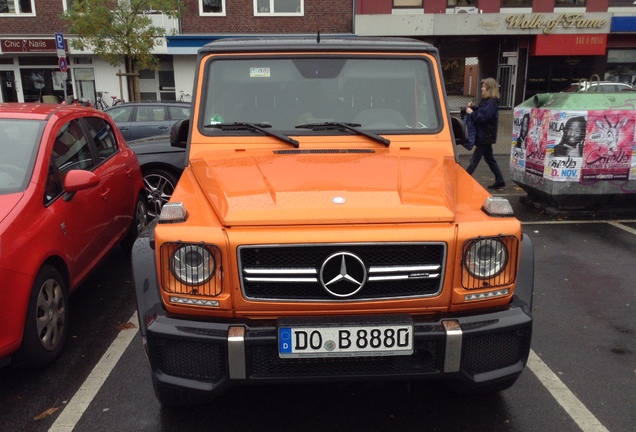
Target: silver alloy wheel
[(50, 314), (159, 188)]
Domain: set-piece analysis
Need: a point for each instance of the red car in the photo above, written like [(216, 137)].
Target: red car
[(71, 190)]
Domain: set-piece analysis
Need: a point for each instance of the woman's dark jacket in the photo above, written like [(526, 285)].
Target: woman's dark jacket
[(485, 116)]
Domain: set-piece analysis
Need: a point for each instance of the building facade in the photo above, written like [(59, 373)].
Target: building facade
[(530, 46), (31, 69)]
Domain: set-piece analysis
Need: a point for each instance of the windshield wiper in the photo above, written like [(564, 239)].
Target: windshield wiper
[(261, 127), (346, 126)]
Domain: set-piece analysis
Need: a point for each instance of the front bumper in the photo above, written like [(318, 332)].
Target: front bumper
[(208, 356)]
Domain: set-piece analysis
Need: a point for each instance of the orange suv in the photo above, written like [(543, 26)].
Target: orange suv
[(323, 229)]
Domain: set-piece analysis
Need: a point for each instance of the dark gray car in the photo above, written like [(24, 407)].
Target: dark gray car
[(161, 167), (138, 120)]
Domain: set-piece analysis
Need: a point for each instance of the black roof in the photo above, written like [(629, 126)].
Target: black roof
[(316, 43)]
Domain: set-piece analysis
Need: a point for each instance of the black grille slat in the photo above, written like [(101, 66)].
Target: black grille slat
[(311, 258), (265, 363)]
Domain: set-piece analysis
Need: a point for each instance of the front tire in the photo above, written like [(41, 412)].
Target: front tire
[(139, 222), (46, 326)]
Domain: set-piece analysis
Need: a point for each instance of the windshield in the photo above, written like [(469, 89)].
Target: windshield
[(380, 94), (18, 144)]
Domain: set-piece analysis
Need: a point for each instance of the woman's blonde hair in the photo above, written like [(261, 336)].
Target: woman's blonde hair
[(492, 88)]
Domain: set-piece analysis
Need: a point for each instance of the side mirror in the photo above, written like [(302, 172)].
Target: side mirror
[(459, 130), (77, 180), (179, 133)]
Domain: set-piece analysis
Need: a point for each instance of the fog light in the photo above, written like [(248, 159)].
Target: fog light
[(194, 302), (487, 295)]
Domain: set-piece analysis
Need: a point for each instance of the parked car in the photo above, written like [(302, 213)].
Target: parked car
[(161, 166), (598, 86), (71, 190), (143, 119)]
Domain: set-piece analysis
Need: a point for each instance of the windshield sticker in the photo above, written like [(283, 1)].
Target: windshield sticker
[(262, 72), (216, 119)]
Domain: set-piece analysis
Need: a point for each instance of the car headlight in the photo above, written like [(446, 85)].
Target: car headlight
[(192, 264), (485, 258)]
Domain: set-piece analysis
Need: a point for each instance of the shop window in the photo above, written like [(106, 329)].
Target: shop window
[(278, 7), (35, 84), (407, 3), (17, 7), (85, 84), (621, 3), (82, 60), (212, 7)]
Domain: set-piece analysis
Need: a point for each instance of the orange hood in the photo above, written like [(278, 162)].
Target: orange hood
[(327, 186)]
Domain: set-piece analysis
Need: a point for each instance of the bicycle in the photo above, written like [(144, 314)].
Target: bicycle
[(101, 104), (184, 97)]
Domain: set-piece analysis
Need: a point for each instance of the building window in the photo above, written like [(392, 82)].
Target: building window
[(407, 3), (17, 7), (212, 7), (516, 3), (621, 3), (564, 3), (460, 3), (278, 7)]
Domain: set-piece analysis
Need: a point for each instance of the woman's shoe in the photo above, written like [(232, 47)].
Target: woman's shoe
[(497, 185)]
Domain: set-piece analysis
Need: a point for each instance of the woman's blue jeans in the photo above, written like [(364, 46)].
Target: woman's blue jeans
[(487, 153)]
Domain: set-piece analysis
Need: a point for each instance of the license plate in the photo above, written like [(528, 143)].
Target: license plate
[(345, 341)]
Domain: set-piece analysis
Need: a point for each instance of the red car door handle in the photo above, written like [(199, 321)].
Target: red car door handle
[(105, 193), (129, 171)]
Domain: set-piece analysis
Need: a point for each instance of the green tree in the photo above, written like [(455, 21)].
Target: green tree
[(120, 32)]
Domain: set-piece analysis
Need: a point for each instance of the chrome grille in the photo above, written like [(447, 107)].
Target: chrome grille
[(293, 273)]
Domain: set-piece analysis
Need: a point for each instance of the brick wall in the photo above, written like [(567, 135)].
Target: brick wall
[(47, 21), (326, 16)]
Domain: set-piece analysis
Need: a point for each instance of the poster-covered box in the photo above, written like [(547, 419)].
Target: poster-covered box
[(576, 150)]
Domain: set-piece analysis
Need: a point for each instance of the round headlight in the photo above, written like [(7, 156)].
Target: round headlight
[(486, 258), (192, 264)]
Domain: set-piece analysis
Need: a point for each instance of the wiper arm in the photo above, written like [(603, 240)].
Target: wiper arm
[(347, 126), (261, 127)]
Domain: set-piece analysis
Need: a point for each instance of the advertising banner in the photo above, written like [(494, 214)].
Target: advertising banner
[(609, 145), (565, 143), (520, 127), (536, 141), (574, 145)]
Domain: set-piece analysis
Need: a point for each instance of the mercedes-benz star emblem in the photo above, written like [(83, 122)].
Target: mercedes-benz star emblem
[(343, 274)]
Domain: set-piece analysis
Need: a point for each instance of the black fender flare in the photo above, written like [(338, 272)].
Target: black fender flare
[(144, 269), (525, 276)]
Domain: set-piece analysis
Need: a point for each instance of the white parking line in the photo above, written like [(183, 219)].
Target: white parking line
[(72, 413), (618, 224), (570, 403)]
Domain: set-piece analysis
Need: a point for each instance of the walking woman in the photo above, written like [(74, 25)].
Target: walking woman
[(485, 117)]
